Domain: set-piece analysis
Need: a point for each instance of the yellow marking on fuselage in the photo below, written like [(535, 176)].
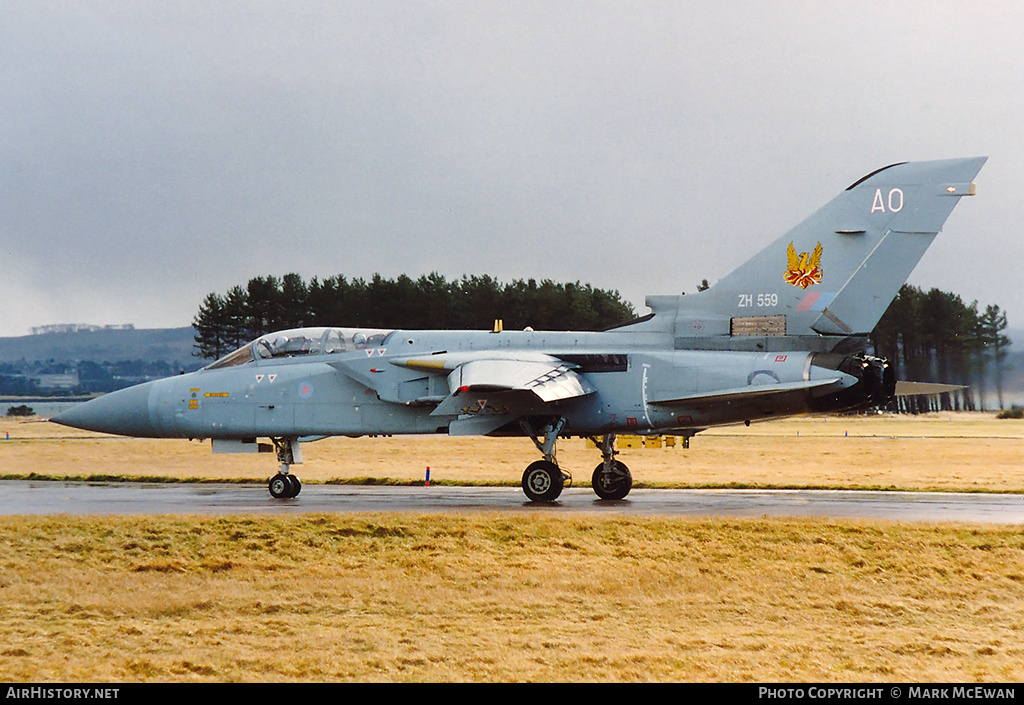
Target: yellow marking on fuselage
[(425, 364)]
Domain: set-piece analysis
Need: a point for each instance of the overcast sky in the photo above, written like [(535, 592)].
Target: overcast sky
[(153, 152)]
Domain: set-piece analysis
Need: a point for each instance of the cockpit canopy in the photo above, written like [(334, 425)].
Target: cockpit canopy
[(303, 341)]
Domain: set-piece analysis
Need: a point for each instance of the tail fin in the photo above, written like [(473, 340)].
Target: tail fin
[(835, 273)]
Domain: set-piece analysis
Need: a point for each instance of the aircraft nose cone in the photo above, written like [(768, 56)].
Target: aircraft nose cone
[(124, 412)]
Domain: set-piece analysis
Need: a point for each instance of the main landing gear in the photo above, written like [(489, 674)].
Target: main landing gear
[(544, 480), (611, 479), (284, 485)]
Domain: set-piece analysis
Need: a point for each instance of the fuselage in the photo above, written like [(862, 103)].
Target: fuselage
[(639, 383)]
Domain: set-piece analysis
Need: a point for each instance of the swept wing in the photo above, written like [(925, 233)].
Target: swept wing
[(541, 377)]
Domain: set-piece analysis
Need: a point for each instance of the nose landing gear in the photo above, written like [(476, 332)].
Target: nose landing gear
[(284, 485)]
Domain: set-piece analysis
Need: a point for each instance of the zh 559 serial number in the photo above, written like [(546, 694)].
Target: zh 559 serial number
[(758, 300)]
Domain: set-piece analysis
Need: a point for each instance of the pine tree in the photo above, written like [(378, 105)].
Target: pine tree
[(992, 324), (210, 324)]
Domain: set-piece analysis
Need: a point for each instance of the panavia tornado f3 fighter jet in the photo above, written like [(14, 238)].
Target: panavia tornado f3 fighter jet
[(785, 334)]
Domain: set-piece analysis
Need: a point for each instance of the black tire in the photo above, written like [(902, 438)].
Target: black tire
[(280, 486), (543, 481), (612, 485), (296, 486)]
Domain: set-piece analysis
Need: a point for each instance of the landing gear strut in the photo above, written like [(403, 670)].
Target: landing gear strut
[(611, 479), (284, 485), (543, 480)]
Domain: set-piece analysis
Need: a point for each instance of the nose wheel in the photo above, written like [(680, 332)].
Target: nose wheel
[(284, 486)]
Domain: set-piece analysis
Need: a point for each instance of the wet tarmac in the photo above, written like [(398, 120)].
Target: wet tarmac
[(22, 497)]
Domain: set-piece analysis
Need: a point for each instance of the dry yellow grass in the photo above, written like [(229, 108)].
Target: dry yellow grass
[(936, 451), (489, 597), (498, 598)]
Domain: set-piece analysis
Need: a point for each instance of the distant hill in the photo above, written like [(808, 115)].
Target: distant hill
[(152, 344)]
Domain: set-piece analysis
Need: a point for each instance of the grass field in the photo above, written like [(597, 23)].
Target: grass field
[(496, 598), (488, 597)]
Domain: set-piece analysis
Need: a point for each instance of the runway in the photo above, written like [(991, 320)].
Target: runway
[(30, 497)]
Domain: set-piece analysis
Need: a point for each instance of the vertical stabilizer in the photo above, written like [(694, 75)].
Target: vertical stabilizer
[(835, 273)]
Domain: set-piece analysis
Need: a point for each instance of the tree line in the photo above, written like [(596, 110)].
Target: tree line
[(933, 336), (265, 304)]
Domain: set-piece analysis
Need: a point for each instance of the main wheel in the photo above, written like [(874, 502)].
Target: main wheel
[(283, 486), (543, 481), (614, 484)]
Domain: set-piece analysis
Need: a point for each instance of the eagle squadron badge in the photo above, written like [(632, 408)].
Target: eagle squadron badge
[(804, 269)]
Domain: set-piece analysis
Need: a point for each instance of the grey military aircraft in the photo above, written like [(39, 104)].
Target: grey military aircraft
[(784, 334)]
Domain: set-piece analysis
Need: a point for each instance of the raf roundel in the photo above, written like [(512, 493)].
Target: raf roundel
[(305, 390)]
